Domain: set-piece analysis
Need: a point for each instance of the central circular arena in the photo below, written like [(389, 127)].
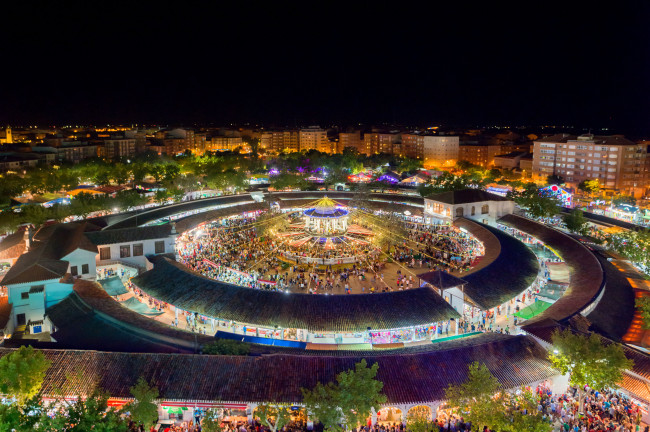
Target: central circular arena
[(324, 247)]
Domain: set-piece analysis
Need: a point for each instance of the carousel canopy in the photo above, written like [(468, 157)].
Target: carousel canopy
[(325, 207)]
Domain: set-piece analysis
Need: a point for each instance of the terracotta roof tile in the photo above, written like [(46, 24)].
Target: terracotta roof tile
[(420, 377)]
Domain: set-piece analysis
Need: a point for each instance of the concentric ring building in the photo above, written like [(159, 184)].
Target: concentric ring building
[(300, 339)]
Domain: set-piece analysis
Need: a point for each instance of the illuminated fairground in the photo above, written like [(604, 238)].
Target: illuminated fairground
[(326, 247)]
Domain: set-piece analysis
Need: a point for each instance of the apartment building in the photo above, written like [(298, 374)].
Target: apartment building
[(351, 139), (412, 146), (440, 150), (140, 137), (279, 141), (378, 142), (616, 162), (117, 148), (70, 151), (479, 154), (314, 138), (223, 143)]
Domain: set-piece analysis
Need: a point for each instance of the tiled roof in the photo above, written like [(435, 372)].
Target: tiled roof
[(93, 296), (141, 217), (557, 138), (13, 245), (126, 235), (586, 275), (636, 386), (512, 271), (175, 284), (31, 267), (44, 260), (465, 196), (420, 377), (441, 279), (189, 222)]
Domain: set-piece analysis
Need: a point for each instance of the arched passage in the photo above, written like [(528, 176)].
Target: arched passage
[(389, 415), (420, 412)]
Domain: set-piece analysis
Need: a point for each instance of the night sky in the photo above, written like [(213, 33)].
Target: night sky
[(278, 63)]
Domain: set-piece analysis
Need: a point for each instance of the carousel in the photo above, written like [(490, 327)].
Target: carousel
[(325, 227), (326, 219)]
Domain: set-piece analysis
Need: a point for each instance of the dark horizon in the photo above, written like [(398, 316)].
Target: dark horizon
[(303, 64)]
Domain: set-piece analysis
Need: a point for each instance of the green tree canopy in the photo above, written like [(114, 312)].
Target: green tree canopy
[(211, 421), (643, 304), (554, 179), (482, 401), (143, 409), (349, 401), (537, 205), (576, 222), (589, 360), (624, 199), (274, 415), (22, 373), (589, 186), (84, 414), (226, 347), (635, 245), (473, 398)]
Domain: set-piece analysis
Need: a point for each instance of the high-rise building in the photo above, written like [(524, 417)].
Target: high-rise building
[(315, 138), (616, 162)]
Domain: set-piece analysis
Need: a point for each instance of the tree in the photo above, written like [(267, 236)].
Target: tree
[(481, 401), (359, 392), (22, 373), (349, 401), (554, 179), (274, 416), (643, 304), (589, 360), (635, 245), (576, 222), (211, 421), (589, 186), (624, 199), (226, 347), (120, 174), (537, 205), (322, 404), (161, 196), (84, 414), (473, 399), (143, 410), (517, 412), (418, 421)]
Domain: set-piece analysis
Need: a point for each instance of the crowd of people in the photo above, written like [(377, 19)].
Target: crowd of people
[(230, 250), (603, 411)]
